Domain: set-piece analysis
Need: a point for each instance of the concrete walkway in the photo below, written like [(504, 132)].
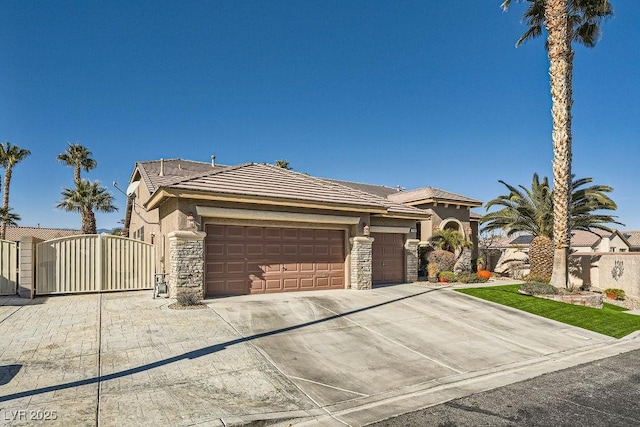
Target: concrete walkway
[(326, 357)]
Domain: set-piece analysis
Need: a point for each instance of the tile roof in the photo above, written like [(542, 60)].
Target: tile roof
[(173, 168), (378, 190), (15, 233), (268, 181), (633, 237), (587, 238), (431, 193)]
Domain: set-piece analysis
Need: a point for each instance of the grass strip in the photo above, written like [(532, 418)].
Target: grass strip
[(610, 320)]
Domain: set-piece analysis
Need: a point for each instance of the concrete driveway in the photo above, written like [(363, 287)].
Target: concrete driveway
[(332, 358)]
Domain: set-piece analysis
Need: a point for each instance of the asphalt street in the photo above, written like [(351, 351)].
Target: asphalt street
[(601, 393)]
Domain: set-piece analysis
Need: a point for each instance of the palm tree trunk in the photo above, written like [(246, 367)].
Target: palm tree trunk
[(560, 71), (76, 174), (5, 202)]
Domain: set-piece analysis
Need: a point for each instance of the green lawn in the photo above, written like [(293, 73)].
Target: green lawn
[(610, 320)]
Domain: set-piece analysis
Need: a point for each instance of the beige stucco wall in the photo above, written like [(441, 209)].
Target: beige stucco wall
[(608, 270)]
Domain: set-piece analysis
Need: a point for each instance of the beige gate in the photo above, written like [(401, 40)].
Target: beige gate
[(93, 263), (7, 267)]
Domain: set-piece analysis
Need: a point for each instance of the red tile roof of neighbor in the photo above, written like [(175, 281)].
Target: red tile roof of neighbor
[(16, 233)]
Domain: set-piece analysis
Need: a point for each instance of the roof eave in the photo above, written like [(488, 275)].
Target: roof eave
[(156, 199)]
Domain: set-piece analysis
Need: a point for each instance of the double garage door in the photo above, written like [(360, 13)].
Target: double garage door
[(241, 260)]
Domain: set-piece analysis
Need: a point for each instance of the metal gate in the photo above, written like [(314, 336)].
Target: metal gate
[(7, 267), (93, 263)]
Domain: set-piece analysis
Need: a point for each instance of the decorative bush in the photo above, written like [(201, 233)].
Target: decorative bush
[(470, 277), (445, 260), (432, 269), (484, 274), (449, 276), (618, 293), (538, 288)]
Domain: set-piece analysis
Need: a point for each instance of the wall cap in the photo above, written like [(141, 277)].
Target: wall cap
[(361, 239), (187, 235)]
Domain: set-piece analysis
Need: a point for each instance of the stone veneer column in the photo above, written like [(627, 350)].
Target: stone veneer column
[(186, 263), (361, 262), (411, 263)]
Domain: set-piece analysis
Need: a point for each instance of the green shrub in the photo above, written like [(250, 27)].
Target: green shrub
[(445, 260), (619, 293), (470, 277), (449, 276), (538, 288)]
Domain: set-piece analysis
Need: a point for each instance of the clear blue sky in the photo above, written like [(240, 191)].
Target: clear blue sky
[(410, 93)]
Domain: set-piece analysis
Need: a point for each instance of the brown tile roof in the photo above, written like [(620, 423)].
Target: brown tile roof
[(633, 237), (15, 233), (173, 168), (587, 238), (378, 190), (431, 193), (268, 181)]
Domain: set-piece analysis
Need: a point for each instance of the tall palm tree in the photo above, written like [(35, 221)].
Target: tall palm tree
[(565, 21), (10, 155), (531, 210), (86, 198), (79, 157)]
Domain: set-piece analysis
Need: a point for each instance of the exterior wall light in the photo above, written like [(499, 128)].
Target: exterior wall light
[(365, 230), (191, 221)]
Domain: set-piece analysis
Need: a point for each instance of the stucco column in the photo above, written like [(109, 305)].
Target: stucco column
[(186, 263), (361, 262), (411, 260)]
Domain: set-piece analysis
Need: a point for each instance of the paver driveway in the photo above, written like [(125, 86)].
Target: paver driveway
[(332, 357)]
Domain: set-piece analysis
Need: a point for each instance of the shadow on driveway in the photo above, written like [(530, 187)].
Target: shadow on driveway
[(194, 354)]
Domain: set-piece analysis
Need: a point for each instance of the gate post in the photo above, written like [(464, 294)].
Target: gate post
[(27, 265), (186, 263)]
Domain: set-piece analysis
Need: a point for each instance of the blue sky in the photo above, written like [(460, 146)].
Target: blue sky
[(410, 93)]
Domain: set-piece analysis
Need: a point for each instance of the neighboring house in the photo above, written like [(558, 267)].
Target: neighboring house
[(599, 241), (633, 238), (16, 233), (268, 229), (514, 251)]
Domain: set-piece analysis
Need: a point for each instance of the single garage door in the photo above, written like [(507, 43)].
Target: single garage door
[(242, 260), (387, 258)]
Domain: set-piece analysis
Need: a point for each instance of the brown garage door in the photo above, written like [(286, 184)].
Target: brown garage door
[(243, 260), (387, 258)]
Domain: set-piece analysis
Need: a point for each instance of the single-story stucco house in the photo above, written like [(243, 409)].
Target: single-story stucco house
[(256, 228)]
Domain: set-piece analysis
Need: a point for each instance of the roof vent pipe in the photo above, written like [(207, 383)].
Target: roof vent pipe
[(213, 161), (161, 167)]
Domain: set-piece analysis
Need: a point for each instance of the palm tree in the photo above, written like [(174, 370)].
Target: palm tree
[(85, 198), (10, 218), (284, 164), (10, 155), (450, 240), (565, 21), (78, 157), (531, 210)]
